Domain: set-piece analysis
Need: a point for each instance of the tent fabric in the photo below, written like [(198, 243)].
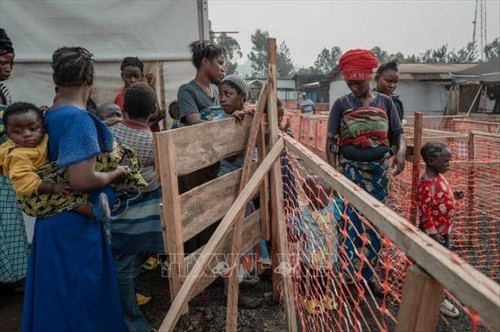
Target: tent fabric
[(158, 32), (151, 30)]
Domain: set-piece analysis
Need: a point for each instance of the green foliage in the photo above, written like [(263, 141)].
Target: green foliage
[(467, 54), (258, 55), (284, 64), (327, 60), (307, 71), (233, 50), (492, 50), (381, 55), (231, 46)]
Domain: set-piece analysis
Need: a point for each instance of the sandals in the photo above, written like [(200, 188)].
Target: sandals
[(328, 303), (449, 309), (142, 299), (151, 263), (313, 307), (316, 307)]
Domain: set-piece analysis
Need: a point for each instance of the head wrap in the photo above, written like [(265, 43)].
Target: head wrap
[(237, 82), (5, 43), (358, 64)]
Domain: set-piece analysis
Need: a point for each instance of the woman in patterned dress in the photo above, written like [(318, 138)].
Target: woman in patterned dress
[(13, 241)]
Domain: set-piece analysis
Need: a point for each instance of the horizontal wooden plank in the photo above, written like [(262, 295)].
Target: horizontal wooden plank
[(475, 163), (437, 132), (251, 229), (470, 286), (482, 135), (444, 139), (206, 204), (490, 123), (206, 143)]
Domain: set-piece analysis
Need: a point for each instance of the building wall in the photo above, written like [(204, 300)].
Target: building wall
[(416, 96)]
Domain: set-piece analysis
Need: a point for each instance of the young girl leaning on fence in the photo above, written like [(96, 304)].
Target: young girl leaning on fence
[(436, 201)]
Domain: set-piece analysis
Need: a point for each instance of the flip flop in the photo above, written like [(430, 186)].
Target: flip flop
[(151, 263), (313, 307), (328, 303)]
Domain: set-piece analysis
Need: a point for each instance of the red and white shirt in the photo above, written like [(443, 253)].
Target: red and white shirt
[(436, 205)]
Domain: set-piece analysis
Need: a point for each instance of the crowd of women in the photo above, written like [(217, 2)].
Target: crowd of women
[(76, 278)]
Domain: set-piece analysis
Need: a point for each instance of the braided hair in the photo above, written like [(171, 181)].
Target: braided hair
[(205, 49), (72, 67), (387, 66)]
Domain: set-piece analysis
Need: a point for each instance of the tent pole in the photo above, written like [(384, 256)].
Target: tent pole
[(475, 99)]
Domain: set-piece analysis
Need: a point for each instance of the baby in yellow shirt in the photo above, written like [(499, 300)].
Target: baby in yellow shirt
[(26, 150)]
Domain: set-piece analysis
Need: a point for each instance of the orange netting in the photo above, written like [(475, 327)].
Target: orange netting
[(349, 276)]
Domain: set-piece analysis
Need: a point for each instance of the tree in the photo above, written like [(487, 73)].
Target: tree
[(381, 55), (307, 71), (231, 46), (492, 50), (233, 50), (284, 64), (467, 54), (258, 54), (327, 60)]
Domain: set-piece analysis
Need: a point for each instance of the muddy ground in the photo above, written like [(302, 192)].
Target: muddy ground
[(207, 312)]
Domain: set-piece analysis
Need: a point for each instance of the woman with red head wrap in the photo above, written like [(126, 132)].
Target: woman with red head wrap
[(364, 131)]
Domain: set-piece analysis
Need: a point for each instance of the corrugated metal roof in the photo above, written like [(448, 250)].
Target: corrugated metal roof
[(422, 71), (491, 66), (433, 68)]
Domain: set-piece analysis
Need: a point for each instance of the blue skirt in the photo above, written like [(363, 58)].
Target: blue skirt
[(71, 281)]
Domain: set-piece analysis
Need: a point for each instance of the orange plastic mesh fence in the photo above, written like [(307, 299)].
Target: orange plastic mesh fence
[(349, 276)]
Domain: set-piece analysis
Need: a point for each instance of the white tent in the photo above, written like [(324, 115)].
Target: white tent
[(158, 32)]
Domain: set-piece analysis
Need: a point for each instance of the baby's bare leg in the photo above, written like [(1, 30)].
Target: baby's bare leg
[(85, 209)]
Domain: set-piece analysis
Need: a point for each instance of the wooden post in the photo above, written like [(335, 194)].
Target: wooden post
[(163, 103), (265, 225), (300, 126), (279, 233), (422, 297), (417, 142), (470, 188), (171, 212), (234, 260)]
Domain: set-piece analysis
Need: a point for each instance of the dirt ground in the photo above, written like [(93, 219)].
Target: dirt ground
[(207, 312)]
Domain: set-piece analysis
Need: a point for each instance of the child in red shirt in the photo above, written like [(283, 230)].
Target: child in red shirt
[(436, 201)]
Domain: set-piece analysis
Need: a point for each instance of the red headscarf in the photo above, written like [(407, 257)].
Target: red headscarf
[(358, 64)]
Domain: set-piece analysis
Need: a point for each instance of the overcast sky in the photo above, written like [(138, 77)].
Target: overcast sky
[(394, 25)]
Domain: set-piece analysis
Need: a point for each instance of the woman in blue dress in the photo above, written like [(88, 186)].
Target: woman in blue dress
[(71, 282)]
